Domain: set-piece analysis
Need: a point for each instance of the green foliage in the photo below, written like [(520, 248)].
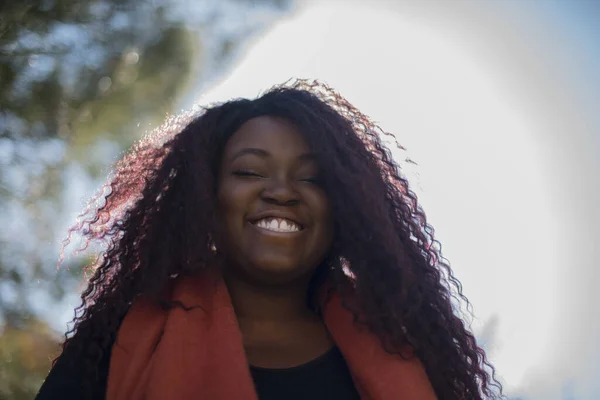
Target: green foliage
[(76, 70), (79, 82), (73, 74), (26, 351)]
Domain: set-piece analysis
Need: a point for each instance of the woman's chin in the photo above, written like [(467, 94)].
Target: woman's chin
[(278, 271)]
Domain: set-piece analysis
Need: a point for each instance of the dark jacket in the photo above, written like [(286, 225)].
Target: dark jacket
[(65, 380)]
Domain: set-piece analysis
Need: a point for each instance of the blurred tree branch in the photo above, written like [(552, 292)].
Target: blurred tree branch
[(78, 77)]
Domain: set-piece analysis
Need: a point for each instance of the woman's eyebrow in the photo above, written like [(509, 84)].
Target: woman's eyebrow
[(250, 150), (265, 154), (307, 157)]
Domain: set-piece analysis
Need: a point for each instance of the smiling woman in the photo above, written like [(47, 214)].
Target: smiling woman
[(267, 249), (277, 221)]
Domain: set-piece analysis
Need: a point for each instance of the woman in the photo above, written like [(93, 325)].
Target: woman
[(267, 249)]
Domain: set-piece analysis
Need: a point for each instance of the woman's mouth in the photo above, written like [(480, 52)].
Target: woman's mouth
[(274, 224)]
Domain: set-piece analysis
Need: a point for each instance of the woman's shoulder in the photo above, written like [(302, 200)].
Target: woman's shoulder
[(66, 377)]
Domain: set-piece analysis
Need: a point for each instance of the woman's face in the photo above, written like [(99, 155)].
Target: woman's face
[(276, 219)]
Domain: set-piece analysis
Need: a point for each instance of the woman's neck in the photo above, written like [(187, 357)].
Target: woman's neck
[(252, 301), (278, 328)]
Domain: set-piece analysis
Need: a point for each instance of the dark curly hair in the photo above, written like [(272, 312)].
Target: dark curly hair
[(156, 217)]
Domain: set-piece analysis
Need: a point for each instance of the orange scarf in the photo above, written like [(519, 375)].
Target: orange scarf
[(198, 353)]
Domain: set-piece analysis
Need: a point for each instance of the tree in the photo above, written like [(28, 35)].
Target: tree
[(74, 74), (25, 353), (79, 82)]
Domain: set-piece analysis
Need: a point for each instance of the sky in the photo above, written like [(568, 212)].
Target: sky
[(495, 102)]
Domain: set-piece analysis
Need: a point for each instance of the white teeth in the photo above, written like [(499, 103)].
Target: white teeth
[(278, 225)]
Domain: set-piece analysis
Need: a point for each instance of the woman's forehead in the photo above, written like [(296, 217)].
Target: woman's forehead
[(270, 134)]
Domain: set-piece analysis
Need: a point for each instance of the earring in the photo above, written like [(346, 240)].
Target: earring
[(211, 244)]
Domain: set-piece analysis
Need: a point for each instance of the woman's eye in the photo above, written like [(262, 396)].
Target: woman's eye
[(247, 173), (311, 180)]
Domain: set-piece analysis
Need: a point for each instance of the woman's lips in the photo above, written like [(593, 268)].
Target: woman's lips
[(275, 224)]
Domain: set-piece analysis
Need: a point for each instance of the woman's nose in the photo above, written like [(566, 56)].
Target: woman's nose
[(280, 192)]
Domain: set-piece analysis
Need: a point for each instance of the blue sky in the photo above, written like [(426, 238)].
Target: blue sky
[(495, 101)]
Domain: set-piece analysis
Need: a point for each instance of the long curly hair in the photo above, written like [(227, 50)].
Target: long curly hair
[(156, 218)]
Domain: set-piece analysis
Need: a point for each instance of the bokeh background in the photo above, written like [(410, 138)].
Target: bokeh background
[(497, 102)]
